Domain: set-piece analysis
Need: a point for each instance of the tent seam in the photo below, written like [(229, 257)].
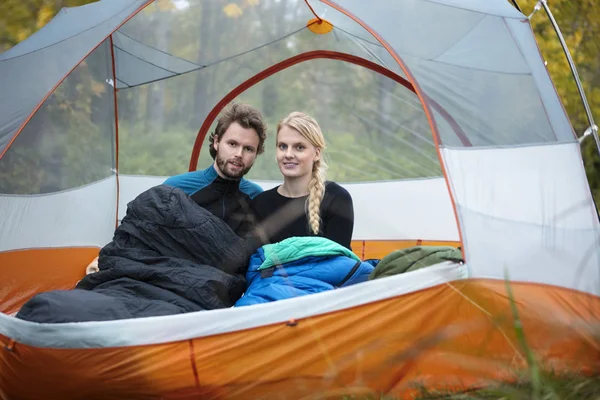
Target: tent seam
[(538, 90), (479, 69), (58, 192), (150, 63), (192, 352), (458, 40), (467, 9), (123, 82), (157, 49), (221, 60), (510, 146)]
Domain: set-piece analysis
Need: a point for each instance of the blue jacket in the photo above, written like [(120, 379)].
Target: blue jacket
[(299, 266)]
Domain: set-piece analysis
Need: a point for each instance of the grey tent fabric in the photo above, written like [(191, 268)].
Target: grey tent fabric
[(138, 63), (499, 8), (477, 60), (34, 67), (80, 113), (554, 109)]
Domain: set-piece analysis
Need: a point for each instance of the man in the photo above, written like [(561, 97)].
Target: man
[(234, 145)]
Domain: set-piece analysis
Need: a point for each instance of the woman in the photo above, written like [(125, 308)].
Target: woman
[(305, 204)]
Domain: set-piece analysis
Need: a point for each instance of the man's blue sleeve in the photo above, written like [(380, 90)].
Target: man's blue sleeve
[(250, 188), (189, 182)]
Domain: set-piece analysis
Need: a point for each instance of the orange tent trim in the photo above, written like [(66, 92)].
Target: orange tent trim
[(459, 334)]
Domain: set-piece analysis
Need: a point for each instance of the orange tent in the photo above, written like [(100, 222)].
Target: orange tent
[(476, 150)]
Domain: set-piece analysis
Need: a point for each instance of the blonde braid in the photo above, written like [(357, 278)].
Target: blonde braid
[(316, 191)]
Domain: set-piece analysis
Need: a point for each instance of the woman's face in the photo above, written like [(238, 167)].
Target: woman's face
[(295, 155)]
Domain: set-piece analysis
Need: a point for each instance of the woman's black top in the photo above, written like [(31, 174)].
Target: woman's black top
[(283, 217)]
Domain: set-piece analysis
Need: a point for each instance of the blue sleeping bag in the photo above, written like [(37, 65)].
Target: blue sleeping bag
[(298, 266)]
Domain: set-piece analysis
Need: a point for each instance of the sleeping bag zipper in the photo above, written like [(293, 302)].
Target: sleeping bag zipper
[(352, 271)]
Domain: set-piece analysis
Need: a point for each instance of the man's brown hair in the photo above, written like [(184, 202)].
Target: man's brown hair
[(245, 115)]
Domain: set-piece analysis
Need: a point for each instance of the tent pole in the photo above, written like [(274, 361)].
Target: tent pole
[(593, 127), (116, 135)]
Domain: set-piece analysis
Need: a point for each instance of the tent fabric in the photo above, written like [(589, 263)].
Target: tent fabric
[(526, 211), (59, 47), (138, 63), (152, 55), (74, 116), (423, 207), (555, 112), (143, 331), (144, 56), (496, 7), (516, 113), (449, 325), (75, 220), (70, 22), (40, 269)]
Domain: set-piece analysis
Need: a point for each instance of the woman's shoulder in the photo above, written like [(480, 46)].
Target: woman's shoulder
[(335, 189)]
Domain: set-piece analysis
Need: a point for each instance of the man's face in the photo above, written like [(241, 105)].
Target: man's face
[(236, 151)]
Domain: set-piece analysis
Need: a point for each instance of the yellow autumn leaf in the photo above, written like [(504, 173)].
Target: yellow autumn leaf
[(232, 10), (44, 15), (164, 5), (149, 10), (23, 34), (159, 6), (98, 88)]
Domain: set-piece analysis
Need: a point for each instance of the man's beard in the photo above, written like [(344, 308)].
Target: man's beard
[(222, 164)]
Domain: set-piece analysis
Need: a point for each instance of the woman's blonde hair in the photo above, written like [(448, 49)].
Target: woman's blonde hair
[(310, 130)]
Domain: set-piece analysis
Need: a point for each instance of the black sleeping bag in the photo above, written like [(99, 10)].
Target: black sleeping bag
[(168, 256)]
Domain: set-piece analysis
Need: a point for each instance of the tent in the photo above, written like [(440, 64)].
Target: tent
[(457, 137)]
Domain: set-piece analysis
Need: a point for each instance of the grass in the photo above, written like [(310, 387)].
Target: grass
[(548, 388), (534, 384)]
